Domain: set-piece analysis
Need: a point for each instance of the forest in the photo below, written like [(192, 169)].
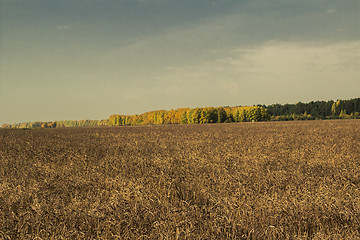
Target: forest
[(193, 116), (315, 110), (340, 109)]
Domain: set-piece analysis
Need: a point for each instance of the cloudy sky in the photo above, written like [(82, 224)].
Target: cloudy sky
[(88, 59)]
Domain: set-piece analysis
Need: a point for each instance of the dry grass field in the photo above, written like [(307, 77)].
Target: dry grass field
[(269, 180)]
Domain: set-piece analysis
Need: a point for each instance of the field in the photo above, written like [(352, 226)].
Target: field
[(267, 180)]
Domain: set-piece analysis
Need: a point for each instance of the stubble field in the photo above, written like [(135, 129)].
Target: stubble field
[(269, 180)]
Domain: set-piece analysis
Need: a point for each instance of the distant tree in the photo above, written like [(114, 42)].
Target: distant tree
[(184, 118), (335, 109), (53, 124), (221, 115), (196, 115)]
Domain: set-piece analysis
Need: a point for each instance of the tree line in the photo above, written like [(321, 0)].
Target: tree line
[(58, 124), (177, 116), (275, 112), (315, 110), (193, 116)]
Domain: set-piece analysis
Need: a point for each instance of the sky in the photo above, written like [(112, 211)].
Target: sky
[(88, 59)]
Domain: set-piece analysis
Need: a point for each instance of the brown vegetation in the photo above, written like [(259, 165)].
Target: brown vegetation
[(268, 180)]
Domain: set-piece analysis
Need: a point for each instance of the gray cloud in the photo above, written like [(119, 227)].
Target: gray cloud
[(63, 27)]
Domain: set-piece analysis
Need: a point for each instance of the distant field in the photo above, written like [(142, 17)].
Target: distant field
[(266, 180)]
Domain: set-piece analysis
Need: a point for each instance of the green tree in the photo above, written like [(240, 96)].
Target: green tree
[(221, 115), (184, 117)]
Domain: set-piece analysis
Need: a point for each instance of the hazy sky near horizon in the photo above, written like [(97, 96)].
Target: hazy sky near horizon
[(88, 59)]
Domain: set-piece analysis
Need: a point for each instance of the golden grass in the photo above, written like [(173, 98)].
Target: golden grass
[(270, 180)]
